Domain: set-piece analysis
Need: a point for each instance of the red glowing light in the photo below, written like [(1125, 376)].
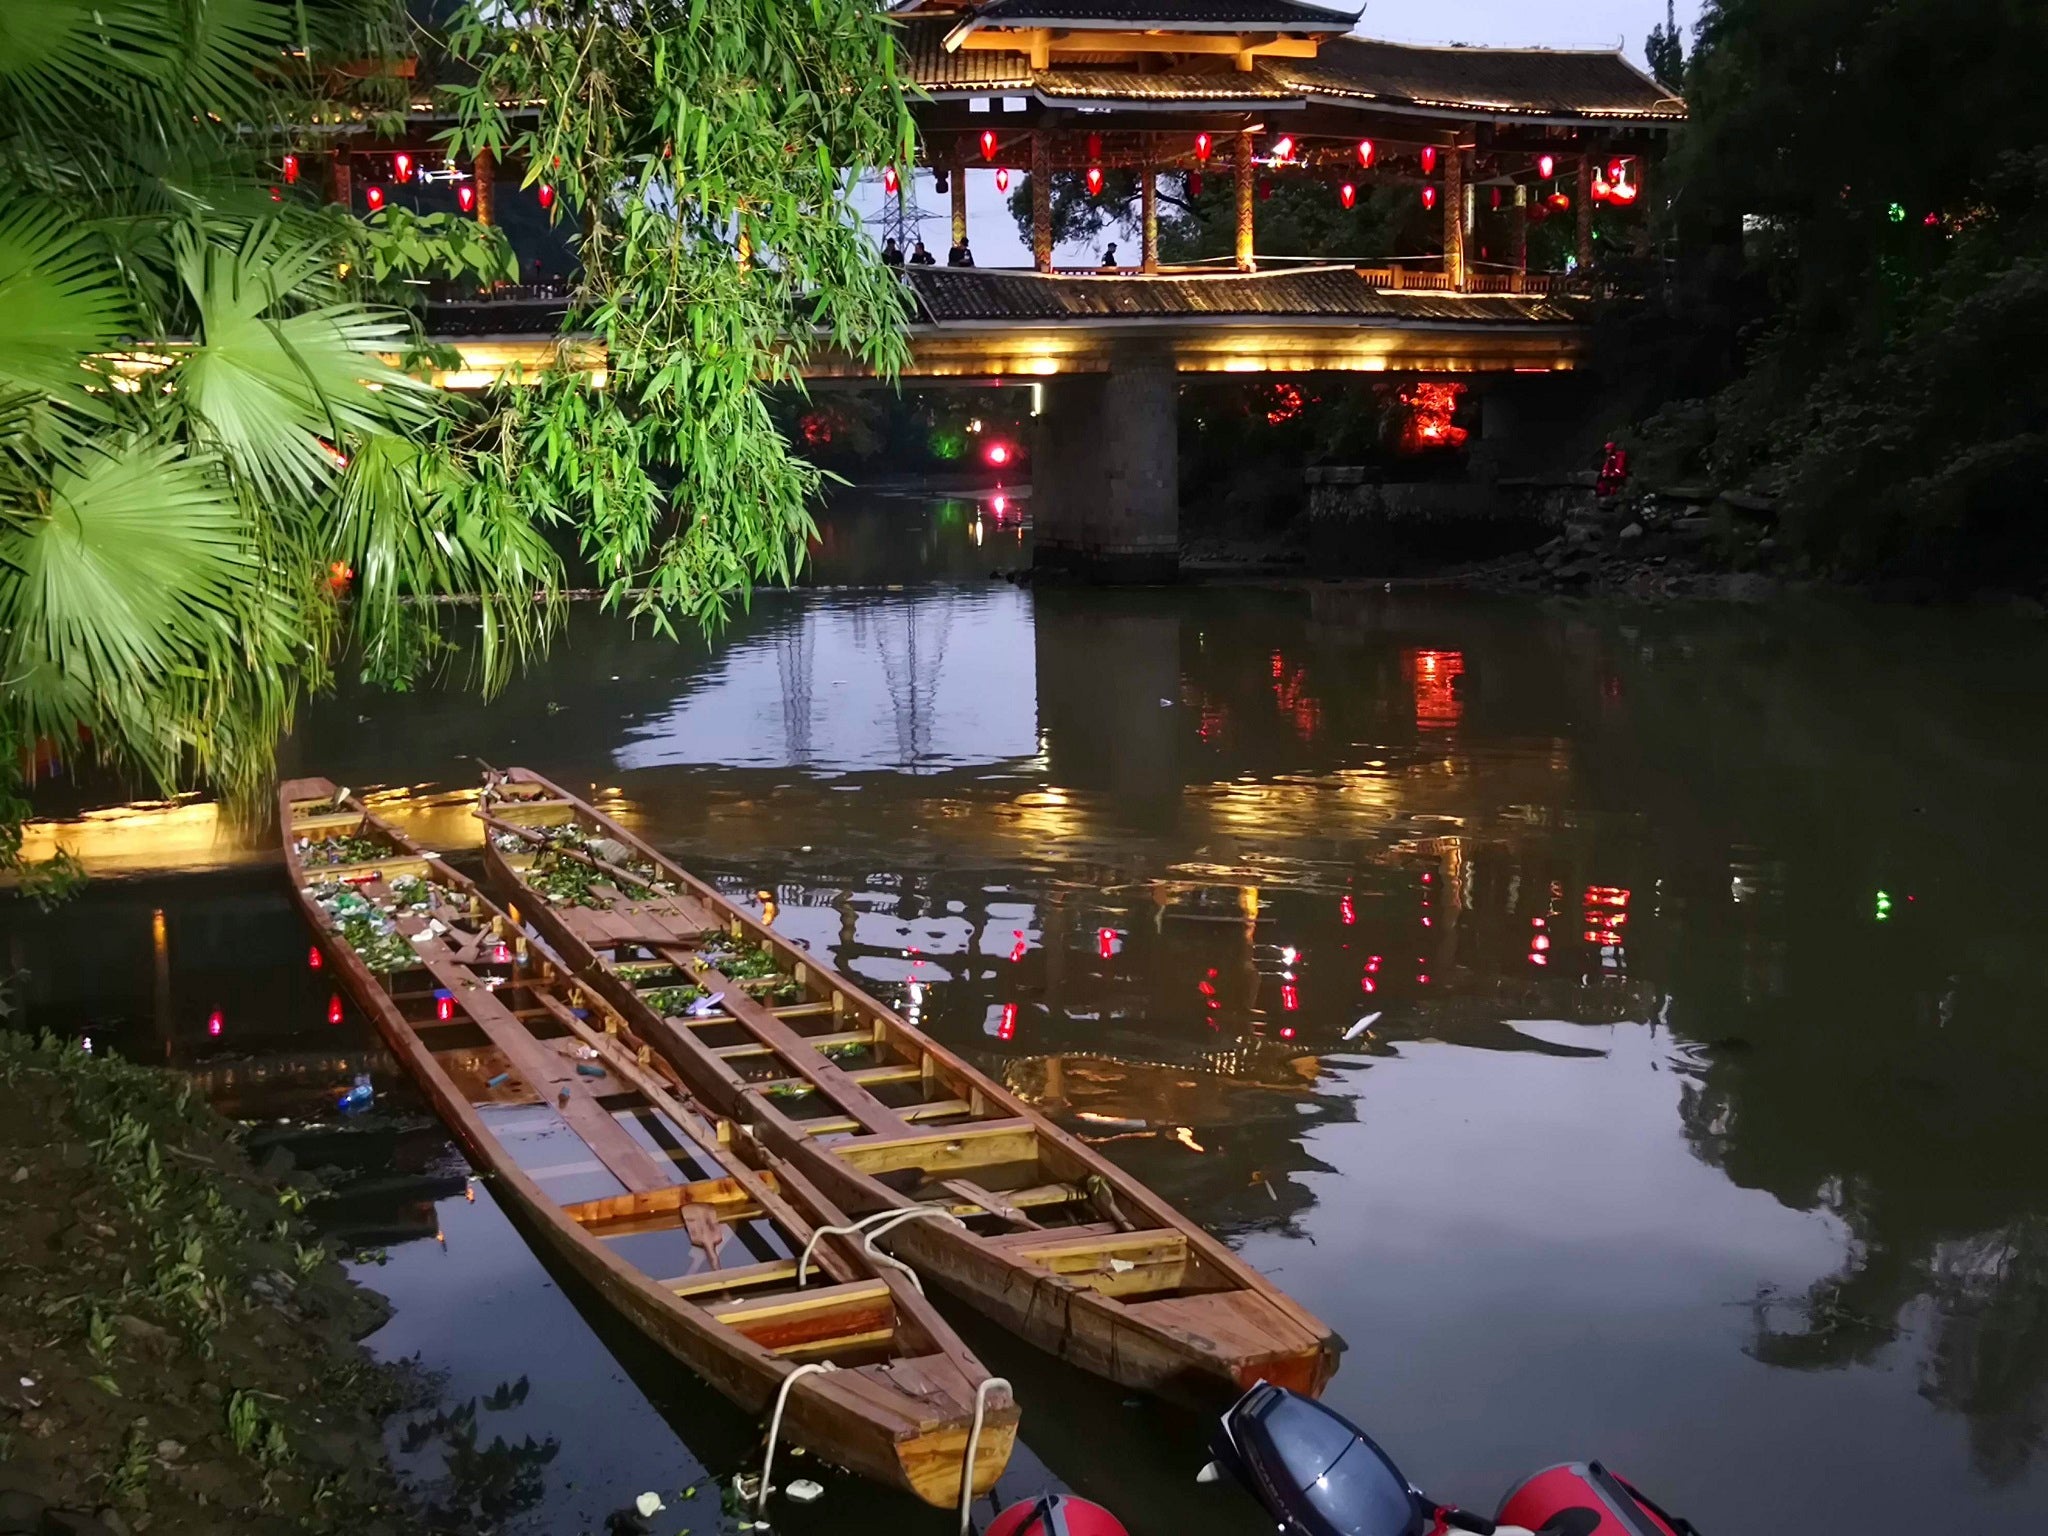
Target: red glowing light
[(340, 573), (444, 1006), (1286, 403), (314, 959), (401, 166), (1283, 147), (1007, 1030), (1602, 188), (502, 955), (1366, 152), (999, 505), (1094, 181), (890, 182), (1290, 998), (988, 143), (1432, 408), (1105, 942), (1287, 1032), (214, 1023), (1094, 146), (1429, 159), (547, 197), (1429, 197), (1540, 943), (1372, 964), (465, 197), (1546, 166), (1367, 984), (375, 198), (997, 454), (1203, 145), (1347, 911), (1430, 660), (1539, 959), (291, 169), (1194, 183), (1002, 178), (334, 1008), (1423, 979), (1433, 676), (1558, 202), (1347, 194), (1496, 197)]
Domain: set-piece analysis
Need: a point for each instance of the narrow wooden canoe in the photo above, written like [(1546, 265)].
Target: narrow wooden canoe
[(1047, 1236), (688, 1231)]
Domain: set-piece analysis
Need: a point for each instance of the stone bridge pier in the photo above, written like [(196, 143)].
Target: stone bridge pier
[(1105, 473)]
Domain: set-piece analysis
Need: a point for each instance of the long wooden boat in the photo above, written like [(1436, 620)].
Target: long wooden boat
[(1038, 1230), (686, 1230)]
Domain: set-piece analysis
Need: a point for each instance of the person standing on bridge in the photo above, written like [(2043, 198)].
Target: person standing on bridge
[(960, 255), (1109, 261), (920, 257), (892, 253)]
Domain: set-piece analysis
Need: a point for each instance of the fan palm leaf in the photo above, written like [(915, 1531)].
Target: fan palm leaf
[(61, 302), (59, 58), (275, 391)]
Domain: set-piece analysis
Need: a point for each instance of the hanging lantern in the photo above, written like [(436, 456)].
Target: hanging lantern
[(375, 198), (1546, 166), (1625, 191), (401, 166), (1094, 181), (1429, 197), (889, 181), (465, 197), (547, 197), (291, 169), (1347, 194), (1617, 170), (1560, 201), (1094, 146), (1194, 183), (1366, 152), (1602, 187), (314, 959), (1429, 159), (1496, 197), (988, 143), (1203, 145), (1002, 178), (1283, 147), (334, 1008)]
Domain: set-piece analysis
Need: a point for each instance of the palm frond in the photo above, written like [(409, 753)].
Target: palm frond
[(225, 48), (60, 59), (61, 301)]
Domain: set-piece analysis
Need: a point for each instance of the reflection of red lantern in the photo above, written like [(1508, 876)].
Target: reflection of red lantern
[(1194, 183), (334, 1008), (1546, 166), (291, 169), (547, 197), (1496, 197), (1002, 178), (1203, 144), (401, 166), (375, 198), (314, 959), (889, 180), (1094, 146), (1094, 181), (988, 143), (1283, 147), (465, 195), (1365, 152), (1347, 194), (1429, 197), (1429, 159)]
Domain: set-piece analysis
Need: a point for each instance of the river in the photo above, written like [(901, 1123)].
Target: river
[(1698, 1128)]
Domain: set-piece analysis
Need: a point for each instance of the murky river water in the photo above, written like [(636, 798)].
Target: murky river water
[(1699, 1128)]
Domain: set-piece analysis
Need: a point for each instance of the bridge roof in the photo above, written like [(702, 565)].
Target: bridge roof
[(979, 295), (1283, 16), (1529, 83)]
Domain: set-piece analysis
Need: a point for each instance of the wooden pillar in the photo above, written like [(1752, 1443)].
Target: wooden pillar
[(486, 187), (1247, 192), (1454, 216), (1148, 209), (342, 188), (1041, 201), (1518, 230), (959, 203), (1582, 204)]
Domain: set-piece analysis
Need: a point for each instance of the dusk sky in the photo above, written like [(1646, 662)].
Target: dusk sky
[(1499, 23)]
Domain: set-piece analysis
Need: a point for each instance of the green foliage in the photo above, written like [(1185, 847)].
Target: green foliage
[(707, 152)]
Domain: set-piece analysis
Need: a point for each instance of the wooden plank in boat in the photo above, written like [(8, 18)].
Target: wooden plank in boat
[(989, 1202), (740, 1277), (811, 1316), (1035, 1197), (1242, 1324), (762, 1048), (804, 1056), (1113, 1263), (966, 1146), (728, 1196), (839, 1125)]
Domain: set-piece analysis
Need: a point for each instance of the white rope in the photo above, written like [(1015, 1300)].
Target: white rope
[(974, 1445), (775, 1427), (869, 1227)]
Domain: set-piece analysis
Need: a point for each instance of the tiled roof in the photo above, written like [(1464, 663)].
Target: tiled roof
[(1187, 15), (946, 294), (1485, 82)]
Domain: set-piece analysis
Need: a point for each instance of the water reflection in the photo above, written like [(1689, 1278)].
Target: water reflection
[(1512, 980)]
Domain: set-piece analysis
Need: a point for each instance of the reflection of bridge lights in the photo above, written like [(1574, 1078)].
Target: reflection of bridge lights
[(1006, 1023), (314, 959), (1290, 1000), (214, 1023), (1433, 676), (1347, 911), (334, 1008), (1106, 942)]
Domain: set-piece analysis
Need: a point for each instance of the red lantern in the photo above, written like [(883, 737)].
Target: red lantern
[(314, 959), (1429, 197), (1616, 169), (988, 143), (291, 169), (1283, 147), (1203, 144), (1625, 191), (1602, 187), (1347, 194), (1002, 178), (1366, 152), (889, 181), (1094, 146), (547, 197), (1094, 181), (1559, 201), (334, 1008), (375, 198), (1429, 159), (1194, 183), (214, 1024), (401, 166), (465, 195), (1546, 166), (444, 1004)]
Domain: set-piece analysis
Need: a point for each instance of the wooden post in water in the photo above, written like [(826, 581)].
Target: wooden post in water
[(1583, 207), (1148, 208), (1247, 190), (1041, 201), (486, 187), (1454, 217)]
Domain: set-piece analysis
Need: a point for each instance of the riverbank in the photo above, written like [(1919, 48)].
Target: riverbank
[(177, 1351)]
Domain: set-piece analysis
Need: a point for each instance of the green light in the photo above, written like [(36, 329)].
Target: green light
[(948, 443), (1884, 906), (1897, 212)]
